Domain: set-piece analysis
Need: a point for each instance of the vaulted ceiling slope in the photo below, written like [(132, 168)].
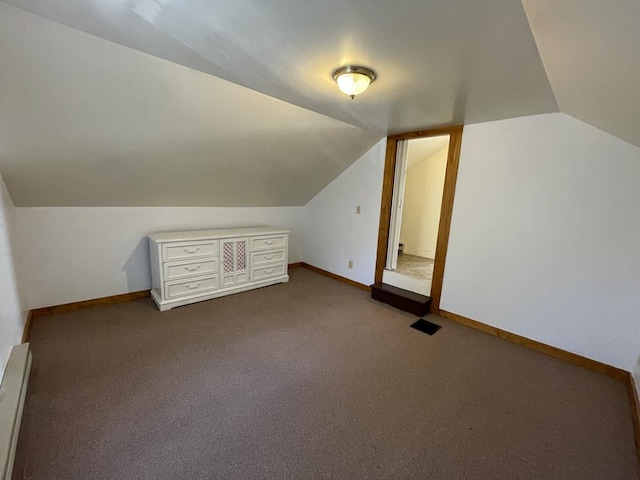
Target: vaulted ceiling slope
[(231, 103), (86, 122), (439, 61), (591, 52)]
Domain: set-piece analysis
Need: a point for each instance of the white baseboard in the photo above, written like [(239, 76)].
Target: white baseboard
[(13, 392)]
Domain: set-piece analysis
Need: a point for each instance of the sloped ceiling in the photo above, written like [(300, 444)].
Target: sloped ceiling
[(591, 52), (439, 61), (85, 122), (212, 102)]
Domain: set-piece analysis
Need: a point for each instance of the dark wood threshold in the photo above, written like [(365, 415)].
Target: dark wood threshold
[(401, 299)]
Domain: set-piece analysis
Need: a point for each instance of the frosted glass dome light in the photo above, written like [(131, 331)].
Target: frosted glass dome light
[(353, 80)]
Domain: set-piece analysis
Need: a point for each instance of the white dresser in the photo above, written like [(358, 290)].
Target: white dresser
[(188, 267)]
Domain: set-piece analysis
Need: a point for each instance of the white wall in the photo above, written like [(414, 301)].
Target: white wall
[(422, 203), (545, 235), (334, 233), (544, 239), (12, 304), (73, 254)]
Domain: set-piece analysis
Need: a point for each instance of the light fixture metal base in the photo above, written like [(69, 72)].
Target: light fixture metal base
[(355, 69), (354, 72)]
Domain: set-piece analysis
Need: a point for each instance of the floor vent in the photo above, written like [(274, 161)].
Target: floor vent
[(12, 394), (426, 326)]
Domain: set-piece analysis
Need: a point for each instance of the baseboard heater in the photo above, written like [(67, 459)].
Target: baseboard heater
[(12, 395)]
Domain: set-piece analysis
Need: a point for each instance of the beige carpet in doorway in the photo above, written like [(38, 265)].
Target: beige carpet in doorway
[(415, 267)]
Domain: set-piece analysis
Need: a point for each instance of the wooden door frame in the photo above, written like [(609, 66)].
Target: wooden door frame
[(451, 175)]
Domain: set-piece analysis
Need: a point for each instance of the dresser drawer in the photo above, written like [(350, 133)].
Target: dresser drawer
[(268, 272), (191, 269), (190, 287), (271, 242), (185, 250), (267, 257)]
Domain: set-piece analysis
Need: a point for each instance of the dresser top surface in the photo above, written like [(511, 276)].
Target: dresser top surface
[(185, 236)]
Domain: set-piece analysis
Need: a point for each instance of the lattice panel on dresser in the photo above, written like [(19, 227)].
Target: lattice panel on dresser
[(241, 255), (227, 257)]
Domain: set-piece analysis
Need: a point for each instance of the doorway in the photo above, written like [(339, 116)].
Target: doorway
[(415, 217)]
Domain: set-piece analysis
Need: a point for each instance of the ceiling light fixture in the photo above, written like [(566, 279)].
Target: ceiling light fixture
[(353, 79)]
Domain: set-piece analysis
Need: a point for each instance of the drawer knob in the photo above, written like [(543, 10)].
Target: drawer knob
[(269, 257), (192, 269), (268, 271), (193, 287), (191, 251), (269, 242)]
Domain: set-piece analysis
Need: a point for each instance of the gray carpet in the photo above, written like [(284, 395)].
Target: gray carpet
[(310, 379), (415, 266)]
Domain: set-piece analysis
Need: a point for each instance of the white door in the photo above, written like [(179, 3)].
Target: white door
[(396, 204)]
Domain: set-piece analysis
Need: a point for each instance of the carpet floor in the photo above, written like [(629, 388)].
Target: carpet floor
[(414, 266), (305, 380)]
